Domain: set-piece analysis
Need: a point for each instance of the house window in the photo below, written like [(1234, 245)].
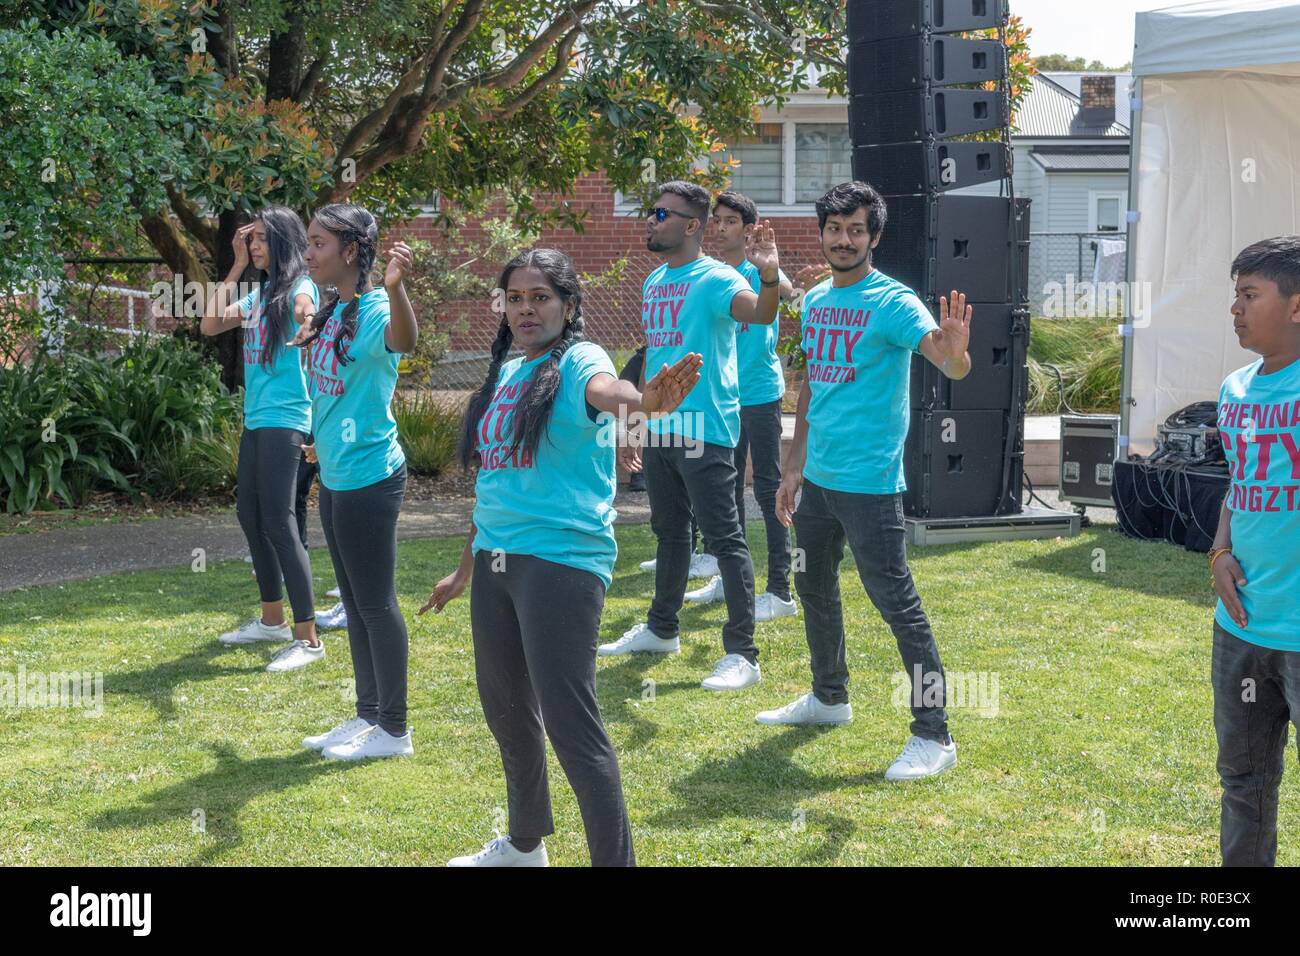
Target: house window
[(429, 205), (759, 175), (1106, 211), (822, 158)]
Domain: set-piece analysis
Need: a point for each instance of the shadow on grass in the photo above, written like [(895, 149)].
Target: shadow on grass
[(221, 794), (764, 783), (1147, 567), (157, 684)]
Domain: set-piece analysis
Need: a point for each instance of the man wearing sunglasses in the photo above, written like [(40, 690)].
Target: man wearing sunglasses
[(692, 303)]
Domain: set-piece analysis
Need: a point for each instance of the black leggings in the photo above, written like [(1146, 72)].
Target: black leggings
[(267, 480), (361, 530), (535, 626)]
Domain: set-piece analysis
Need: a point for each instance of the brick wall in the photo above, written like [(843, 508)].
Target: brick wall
[(613, 313)]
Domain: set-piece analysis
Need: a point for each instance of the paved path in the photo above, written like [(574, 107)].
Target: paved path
[(76, 553)]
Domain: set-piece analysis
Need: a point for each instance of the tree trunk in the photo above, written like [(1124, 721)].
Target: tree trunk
[(229, 345)]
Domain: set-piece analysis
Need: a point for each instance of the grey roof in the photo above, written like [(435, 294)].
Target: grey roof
[(1050, 109), (1123, 89), (1062, 161)]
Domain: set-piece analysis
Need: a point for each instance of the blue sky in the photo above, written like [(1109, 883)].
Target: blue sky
[(1093, 29)]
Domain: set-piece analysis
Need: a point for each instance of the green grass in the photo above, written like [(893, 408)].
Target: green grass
[(1101, 752)]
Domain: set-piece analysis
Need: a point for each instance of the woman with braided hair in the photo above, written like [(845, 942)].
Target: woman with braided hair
[(355, 342), (541, 552)]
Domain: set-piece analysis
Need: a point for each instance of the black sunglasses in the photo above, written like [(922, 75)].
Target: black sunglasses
[(662, 212)]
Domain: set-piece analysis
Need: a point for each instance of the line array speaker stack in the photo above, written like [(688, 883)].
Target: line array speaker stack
[(917, 91)]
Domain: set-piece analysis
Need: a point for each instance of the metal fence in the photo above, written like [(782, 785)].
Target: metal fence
[(1060, 262)]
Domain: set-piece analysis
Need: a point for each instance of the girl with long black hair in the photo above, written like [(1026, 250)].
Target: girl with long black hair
[(356, 341), (277, 422), (541, 552)]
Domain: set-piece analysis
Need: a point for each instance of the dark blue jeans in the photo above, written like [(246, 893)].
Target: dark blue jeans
[(1256, 695), (680, 485), (873, 527), (760, 439)]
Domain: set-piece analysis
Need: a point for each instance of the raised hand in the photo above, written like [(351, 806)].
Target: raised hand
[(810, 275), (954, 324), (400, 260), (239, 244), (670, 386), (760, 249)]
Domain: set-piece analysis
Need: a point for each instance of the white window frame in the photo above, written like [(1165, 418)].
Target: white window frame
[(821, 111), (430, 209), (1095, 196)]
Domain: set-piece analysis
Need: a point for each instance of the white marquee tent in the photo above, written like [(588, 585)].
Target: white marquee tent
[(1215, 161)]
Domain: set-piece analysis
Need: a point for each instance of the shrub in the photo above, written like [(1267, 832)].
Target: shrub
[(428, 426)]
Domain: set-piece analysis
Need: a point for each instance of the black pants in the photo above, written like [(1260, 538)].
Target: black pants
[(266, 479), (873, 526), (705, 485), (361, 530), (1256, 697), (760, 438), (535, 627), (307, 472)]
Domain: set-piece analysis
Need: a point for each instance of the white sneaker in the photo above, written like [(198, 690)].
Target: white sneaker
[(711, 592), (372, 742), (296, 655), (335, 619), (343, 732), (703, 565), (334, 593), (639, 638), (501, 852), (807, 710), (732, 673), (768, 607), (922, 758), (254, 630)]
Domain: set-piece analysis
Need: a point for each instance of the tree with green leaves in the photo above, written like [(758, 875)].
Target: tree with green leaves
[(302, 102)]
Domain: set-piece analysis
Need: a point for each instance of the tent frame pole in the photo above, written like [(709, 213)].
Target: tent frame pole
[(1135, 156)]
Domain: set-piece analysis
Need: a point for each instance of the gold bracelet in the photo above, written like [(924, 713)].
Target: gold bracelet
[(1215, 554)]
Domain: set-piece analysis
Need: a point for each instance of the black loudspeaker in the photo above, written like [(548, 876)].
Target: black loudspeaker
[(953, 463), (1020, 251), (881, 19), (901, 168), (935, 245), (918, 115), (921, 61), (999, 375)]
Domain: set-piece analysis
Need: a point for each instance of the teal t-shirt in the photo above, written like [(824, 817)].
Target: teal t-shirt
[(559, 504), (356, 434), (275, 395), (859, 342), (1259, 424), (762, 379), (688, 309)]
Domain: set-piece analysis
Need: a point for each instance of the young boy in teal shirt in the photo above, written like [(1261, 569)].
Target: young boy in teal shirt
[(1255, 561)]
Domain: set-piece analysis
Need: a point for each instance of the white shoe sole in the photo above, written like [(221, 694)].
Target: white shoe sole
[(255, 640), (660, 647), (720, 690), (272, 669), (923, 776), (824, 722), (365, 756)]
